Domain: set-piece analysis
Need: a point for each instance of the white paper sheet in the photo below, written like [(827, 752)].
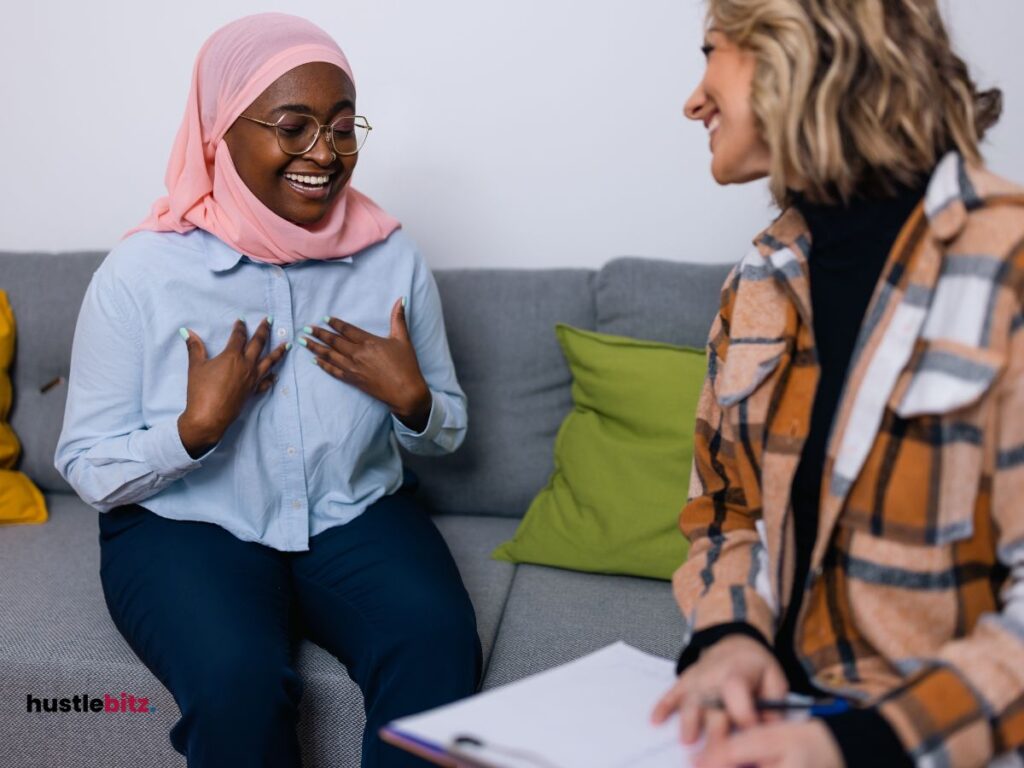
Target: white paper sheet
[(590, 713)]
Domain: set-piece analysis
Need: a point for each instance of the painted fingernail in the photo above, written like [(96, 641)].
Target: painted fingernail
[(327, 318), (315, 361), (287, 346), (306, 329), (241, 318), (303, 342), (183, 332), (270, 319), (404, 300)]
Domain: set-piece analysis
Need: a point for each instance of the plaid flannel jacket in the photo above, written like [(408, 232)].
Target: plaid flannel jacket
[(915, 598)]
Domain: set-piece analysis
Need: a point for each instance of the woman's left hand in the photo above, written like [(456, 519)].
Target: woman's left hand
[(384, 368), (806, 744)]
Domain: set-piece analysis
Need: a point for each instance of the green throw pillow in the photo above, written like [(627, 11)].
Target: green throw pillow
[(622, 460)]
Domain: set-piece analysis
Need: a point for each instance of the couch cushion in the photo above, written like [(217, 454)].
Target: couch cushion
[(659, 300), (501, 327), (471, 540), (46, 293), (57, 639), (330, 726), (553, 616)]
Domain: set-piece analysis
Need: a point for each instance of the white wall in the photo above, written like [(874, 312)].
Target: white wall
[(508, 132)]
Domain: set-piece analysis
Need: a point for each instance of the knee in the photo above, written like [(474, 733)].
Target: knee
[(236, 697), (428, 658), (241, 717), (438, 627)]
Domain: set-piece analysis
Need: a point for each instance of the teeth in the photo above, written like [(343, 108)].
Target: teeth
[(713, 125), (312, 181)]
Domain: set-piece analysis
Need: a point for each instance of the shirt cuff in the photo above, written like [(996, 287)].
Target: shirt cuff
[(866, 738), (705, 638), (164, 452), (434, 423)]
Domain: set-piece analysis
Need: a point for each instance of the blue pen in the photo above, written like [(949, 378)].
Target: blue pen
[(793, 703)]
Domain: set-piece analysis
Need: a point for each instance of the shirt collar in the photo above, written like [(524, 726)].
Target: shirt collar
[(784, 247), (220, 257), (951, 195)]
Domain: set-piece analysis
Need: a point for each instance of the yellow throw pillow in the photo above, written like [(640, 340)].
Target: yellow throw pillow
[(20, 500)]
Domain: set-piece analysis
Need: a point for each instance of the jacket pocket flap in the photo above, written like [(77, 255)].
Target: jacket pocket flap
[(944, 377), (747, 365)]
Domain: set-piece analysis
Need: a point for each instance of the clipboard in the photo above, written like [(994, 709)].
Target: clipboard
[(453, 756), (458, 755), (593, 712), (428, 751)]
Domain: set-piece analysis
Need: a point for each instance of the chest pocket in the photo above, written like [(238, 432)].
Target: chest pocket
[(930, 457)]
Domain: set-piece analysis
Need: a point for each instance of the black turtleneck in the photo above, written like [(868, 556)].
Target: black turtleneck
[(850, 244), (849, 247)]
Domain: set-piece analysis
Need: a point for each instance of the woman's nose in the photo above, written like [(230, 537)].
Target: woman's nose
[(694, 106), (322, 153)]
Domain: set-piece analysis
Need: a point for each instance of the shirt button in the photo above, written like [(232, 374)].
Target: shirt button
[(296, 504), (291, 450), (282, 332), (284, 390)]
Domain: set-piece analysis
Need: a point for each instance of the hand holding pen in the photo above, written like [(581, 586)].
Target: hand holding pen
[(792, 704), (737, 670)]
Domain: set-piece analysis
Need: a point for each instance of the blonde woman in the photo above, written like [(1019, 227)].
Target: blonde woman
[(856, 500)]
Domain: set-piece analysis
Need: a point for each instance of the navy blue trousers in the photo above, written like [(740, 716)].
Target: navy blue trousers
[(217, 620)]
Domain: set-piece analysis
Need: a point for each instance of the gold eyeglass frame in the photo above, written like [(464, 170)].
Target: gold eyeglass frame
[(321, 128)]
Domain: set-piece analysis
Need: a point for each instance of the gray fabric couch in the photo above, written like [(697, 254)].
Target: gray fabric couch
[(56, 637)]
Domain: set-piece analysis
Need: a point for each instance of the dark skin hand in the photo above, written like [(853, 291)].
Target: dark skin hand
[(219, 386), (384, 368)]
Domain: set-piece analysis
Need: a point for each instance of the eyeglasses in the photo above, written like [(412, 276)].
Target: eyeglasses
[(297, 133)]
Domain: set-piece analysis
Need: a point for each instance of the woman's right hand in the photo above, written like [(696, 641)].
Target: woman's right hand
[(737, 670), (219, 386)]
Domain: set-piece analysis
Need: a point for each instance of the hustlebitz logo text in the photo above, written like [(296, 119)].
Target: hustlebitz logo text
[(125, 703)]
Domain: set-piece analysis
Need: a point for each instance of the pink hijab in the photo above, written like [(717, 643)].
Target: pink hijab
[(204, 191)]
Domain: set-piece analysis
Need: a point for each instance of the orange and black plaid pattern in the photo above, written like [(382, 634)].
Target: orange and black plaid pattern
[(915, 598)]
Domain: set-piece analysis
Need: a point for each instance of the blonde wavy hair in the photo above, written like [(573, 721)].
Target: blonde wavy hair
[(853, 96)]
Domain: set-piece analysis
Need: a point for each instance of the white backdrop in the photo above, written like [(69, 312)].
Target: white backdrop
[(507, 132)]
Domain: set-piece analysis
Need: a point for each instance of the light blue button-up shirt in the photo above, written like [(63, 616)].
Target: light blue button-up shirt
[(311, 453)]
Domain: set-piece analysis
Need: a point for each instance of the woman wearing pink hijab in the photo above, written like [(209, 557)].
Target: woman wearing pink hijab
[(252, 493)]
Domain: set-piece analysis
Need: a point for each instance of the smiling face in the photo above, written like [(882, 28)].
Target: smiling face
[(722, 102), (299, 188)]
